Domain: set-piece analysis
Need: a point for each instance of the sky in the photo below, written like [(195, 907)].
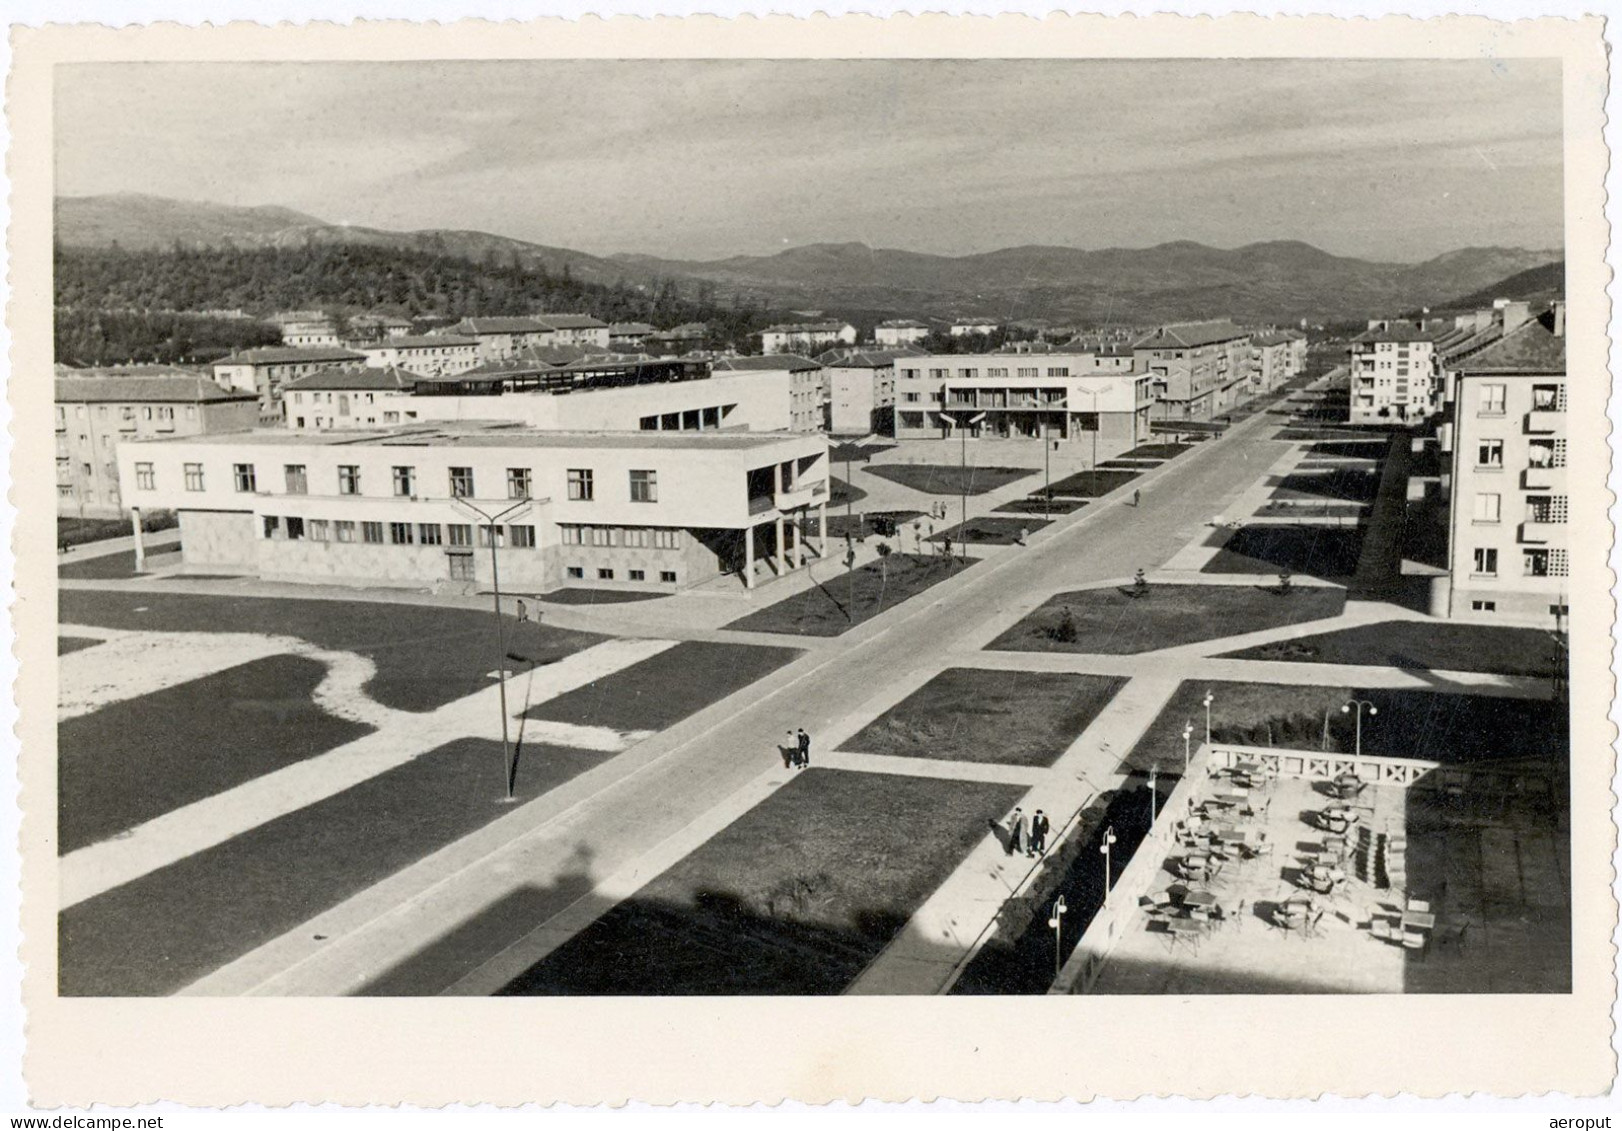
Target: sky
[(1387, 160)]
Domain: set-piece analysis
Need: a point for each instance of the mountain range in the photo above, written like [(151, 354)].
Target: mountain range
[(1282, 280)]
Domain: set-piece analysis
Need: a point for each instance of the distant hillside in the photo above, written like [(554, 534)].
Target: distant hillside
[(1281, 280), (1536, 284)]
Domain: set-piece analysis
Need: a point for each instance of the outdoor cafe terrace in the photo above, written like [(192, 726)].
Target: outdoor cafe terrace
[(1304, 884)]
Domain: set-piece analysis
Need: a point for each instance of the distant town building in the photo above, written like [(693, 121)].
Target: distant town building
[(1280, 356), (575, 330), (427, 354), (264, 371), (97, 410), (1101, 355), (635, 510), (501, 338), (349, 396), (806, 381), (306, 328), (900, 332), (1200, 369), (678, 339), (1059, 397), (628, 335), (365, 328), (788, 337), (968, 327), (1508, 553)]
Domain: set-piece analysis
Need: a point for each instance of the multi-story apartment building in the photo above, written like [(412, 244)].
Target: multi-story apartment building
[(1280, 356), (1061, 397), (575, 330), (376, 327), (98, 410), (427, 354), (788, 337), (501, 338), (628, 335), (1395, 372), (306, 328), (263, 372), (969, 327), (678, 339), (350, 396), (900, 332), (416, 506), (1507, 544), (807, 384), (861, 393), (1199, 369)]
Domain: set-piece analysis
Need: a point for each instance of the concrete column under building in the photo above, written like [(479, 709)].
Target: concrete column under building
[(822, 530), (749, 557), (781, 550), (799, 544), (140, 542)]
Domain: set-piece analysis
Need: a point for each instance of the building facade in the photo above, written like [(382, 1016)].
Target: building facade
[(1059, 397), (806, 381), (427, 354), (417, 506), (861, 394), (1199, 369), (349, 396), (969, 327), (1508, 554), (575, 330), (95, 414), (264, 372), (1395, 373), (502, 338), (306, 328), (900, 332), (789, 337)]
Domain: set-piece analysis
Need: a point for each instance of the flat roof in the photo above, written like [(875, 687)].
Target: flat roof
[(491, 434)]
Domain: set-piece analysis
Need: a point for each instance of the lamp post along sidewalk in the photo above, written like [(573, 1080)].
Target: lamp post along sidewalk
[(1356, 706), (492, 523), (963, 474)]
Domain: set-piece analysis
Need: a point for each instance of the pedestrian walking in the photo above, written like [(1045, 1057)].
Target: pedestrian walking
[(1136, 495), (1018, 831), (804, 742), (791, 752), (1039, 834)]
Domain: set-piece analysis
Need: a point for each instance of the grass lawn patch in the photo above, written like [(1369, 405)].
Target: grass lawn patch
[(599, 596), (1340, 484), (1318, 551), (1091, 484), (664, 689), (822, 609), (840, 492), (1134, 465), (1156, 451), (1343, 449), (1110, 622), (1435, 726), (1424, 646), (106, 567), (426, 656), (949, 479), (1010, 718), (1035, 504), (165, 930), (989, 531), (66, 644), (797, 896), (856, 453), (78, 531), (1306, 509), (863, 523), (140, 758)]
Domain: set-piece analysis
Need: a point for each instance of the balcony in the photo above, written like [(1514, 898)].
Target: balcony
[(1540, 478), (1543, 421), (1535, 533)]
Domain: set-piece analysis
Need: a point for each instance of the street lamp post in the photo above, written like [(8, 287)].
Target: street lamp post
[(1355, 706), (1057, 923), (1047, 476), (1109, 839), (1208, 700), (1188, 735), (963, 480), (491, 522), (1154, 772)]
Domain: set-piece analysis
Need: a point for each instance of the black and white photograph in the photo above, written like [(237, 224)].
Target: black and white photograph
[(871, 527)]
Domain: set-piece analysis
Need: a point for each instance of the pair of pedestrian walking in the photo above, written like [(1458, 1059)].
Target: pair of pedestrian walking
[(798, 756), (1027, 834)]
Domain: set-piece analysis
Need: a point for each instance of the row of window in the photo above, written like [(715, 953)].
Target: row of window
[(1534, 563), (578, 573), (1539, 453), (1002, 371), (1545, 398), (643, 483), (690, 420), (125, 412), (1539, 508), (631, 537), (453, 534)]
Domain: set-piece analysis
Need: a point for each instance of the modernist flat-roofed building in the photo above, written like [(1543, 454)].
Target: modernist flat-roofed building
[(1200, 369), (861, 393), (967, 327), (575, 329), (501, 338), (395, 506), (427, 354), (806, 381), (792, 336), (900, 332), (1508, 554), (1059, 396), (1394, 373), (97, 410), (263, 372)]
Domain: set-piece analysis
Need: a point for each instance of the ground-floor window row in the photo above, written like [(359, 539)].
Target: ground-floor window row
[(605, 573), (630, 537), (292, 528)]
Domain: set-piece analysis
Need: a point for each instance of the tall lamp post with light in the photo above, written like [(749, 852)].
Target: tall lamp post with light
[(1109, 839), (1208, 700), (1355, 706), (1188, 736), (1154, 772), (1057, 923), (492, 523), (963, 425)]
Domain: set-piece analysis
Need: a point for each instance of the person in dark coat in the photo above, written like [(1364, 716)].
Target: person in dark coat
[(1039, 834), (1018, 831), (804, 741)]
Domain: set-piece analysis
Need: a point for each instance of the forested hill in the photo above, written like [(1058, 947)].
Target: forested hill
[(353, 279)]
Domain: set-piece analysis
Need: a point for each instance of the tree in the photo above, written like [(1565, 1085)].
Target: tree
[(1065, 631), (884, 568)]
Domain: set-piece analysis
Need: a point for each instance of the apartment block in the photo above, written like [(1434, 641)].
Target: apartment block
[(1199, 369), (1395, 372), (264, 372), (1508, 555), (427, 354), (99, 410), (900, 332), (788, 337), (806, 380), (1061, 397), (861, 393), (430, 505)]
